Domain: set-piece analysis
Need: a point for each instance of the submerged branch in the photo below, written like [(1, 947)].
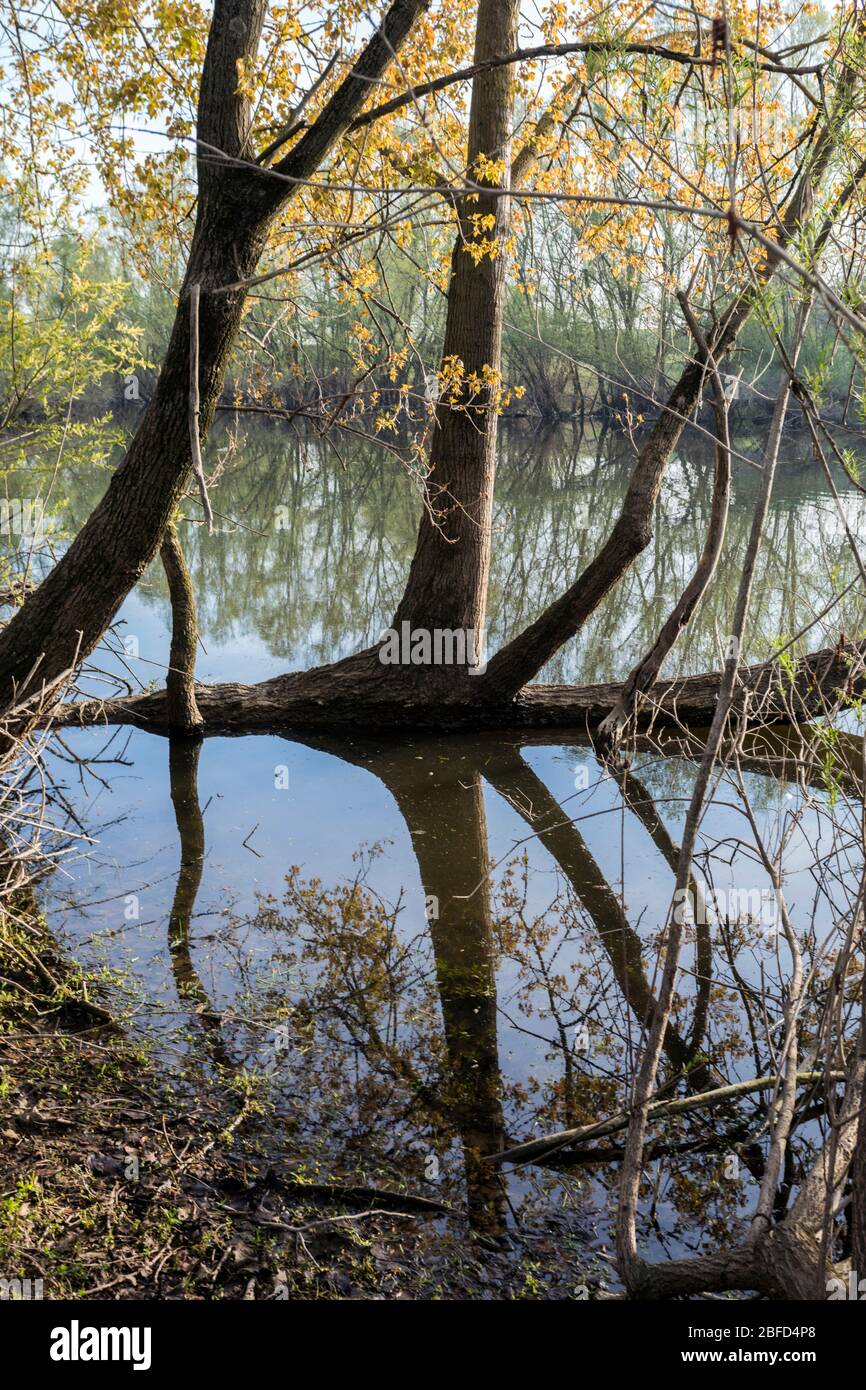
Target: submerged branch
[(541, 1148)]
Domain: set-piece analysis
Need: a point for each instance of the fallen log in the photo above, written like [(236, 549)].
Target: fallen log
[(359, 694)]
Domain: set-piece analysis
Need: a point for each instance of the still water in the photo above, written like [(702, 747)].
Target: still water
[(427, 950)]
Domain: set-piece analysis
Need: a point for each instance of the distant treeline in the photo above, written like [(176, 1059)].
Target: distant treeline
[(594, 345)]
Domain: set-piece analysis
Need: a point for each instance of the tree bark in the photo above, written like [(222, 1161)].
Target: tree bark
[(65, 618), (340, 697), (448, 578), (858, 1162), (183, 712)]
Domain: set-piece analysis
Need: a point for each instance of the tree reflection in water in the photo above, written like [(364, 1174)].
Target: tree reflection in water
[(392, 1035)]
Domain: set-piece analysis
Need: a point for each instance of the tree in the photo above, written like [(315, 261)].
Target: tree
[(447, 583), (239, 202), (758, 230)]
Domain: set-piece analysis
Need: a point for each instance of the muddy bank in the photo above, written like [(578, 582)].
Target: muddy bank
[(118, 1185)]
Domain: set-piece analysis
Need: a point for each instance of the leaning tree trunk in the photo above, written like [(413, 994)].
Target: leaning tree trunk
[(642, 676), (447, 584), (238, 200), (525, 655)]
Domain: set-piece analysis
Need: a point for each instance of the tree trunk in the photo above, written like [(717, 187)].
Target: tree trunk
[(642, 676), (858, 1162), (238, 201), (183, 712), (447, 584), (343, 697)]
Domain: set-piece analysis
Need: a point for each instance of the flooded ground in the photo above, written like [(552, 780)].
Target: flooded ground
[(422, 952)]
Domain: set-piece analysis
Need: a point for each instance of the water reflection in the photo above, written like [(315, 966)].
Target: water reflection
[(411, 1011), (183, 756), (427, 951), (312, 557), (445, 818)]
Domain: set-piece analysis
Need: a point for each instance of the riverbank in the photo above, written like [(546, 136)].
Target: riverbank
[(117, 1185)]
